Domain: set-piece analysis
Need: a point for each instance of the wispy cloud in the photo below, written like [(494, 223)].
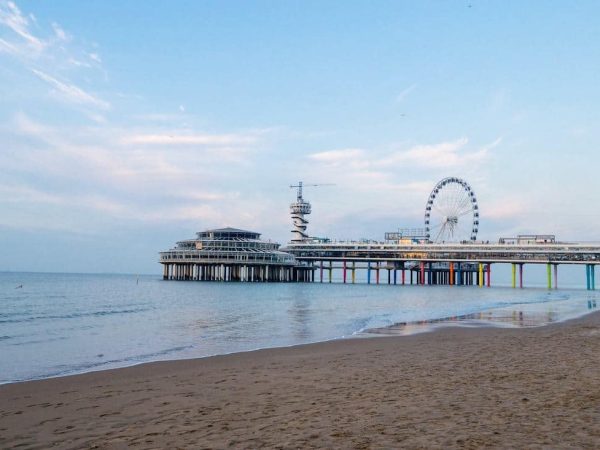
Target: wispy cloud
[(71, 93), (12, 17), (189, 139), (405, 93)]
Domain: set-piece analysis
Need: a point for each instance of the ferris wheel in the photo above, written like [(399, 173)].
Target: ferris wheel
[(451, 213)]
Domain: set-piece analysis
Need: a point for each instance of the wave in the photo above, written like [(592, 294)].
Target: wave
[(76, 315)]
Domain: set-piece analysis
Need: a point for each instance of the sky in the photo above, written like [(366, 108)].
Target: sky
[(127, 126)]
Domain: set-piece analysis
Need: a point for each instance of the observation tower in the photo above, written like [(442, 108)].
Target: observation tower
[(298, 210)]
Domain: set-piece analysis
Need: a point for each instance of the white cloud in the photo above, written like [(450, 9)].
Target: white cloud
[(336, 157), (405, 93), (71, 93), (11, 17), (61, 34), (189, 139)]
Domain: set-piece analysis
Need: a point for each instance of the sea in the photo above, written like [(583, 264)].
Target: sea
[(54, 324)]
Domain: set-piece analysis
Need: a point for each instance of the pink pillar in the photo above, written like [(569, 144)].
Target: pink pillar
[(422, 272)]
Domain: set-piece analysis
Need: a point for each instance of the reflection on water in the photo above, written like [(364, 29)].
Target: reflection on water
[(531, 316)]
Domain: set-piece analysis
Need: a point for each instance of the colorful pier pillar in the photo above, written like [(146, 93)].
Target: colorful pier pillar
[(514, 275), (321, 272), (480, 275), (404, 277), (344, 271), (451, 279), (353, 271), (369, 272), (590, 277), (549, 274), (395, 275), (330, 270), (521, 275), (555, 276), (377, 273), (489, 274), (422, 280)]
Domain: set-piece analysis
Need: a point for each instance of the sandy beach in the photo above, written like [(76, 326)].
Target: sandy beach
[(452, 388)]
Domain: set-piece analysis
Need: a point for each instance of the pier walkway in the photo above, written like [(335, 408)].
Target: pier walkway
[(450, 264)]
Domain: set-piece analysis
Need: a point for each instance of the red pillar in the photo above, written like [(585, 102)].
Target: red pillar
[(403, 277), (451, 279), (422, 272)]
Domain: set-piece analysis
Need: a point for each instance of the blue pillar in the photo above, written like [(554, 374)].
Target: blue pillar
[(369, 273), (588, 277), (593, 276), (458, 280), (395, 274)]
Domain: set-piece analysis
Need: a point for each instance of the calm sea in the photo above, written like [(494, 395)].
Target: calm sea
[(59, 324)]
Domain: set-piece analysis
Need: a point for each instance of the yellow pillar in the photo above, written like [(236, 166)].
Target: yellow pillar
[(480, 275)]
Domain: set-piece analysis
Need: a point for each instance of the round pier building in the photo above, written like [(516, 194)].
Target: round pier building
[(231, 254)]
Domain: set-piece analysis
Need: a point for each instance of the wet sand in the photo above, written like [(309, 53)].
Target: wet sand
[(452, 388)]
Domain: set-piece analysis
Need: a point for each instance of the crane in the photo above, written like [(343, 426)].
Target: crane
[(300, 185)]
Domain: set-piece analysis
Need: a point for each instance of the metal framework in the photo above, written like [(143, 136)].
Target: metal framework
[(451, 212)]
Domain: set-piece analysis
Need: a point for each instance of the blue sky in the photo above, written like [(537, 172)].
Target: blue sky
[(126, 126)]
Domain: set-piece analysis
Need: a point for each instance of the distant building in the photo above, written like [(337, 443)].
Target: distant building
[(230, 254), (525, 239)]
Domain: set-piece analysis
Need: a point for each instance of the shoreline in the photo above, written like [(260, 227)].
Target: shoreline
[(453, 387), (394, 330)]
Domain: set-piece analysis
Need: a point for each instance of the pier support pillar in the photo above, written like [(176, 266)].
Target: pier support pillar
[(451, 279), (395, 275), (521, 276), (593, 272), (404, 277), (330, 270), (555, 276), (549, 275), (377, 273), (321, 271), (353, 272), (480, 276), (369, 272), (422, 279), (514, 275), (344, 272), (489, 274), (590, 277)]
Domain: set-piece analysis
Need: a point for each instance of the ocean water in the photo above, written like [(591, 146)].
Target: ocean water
[(60, 324)]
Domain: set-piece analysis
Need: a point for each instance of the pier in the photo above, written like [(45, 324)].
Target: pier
[(466, 264)]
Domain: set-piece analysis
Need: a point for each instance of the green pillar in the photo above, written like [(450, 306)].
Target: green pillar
[(514, 275), (549, 272)]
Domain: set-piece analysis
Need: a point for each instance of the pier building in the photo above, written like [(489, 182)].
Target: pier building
[(231, 254)]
